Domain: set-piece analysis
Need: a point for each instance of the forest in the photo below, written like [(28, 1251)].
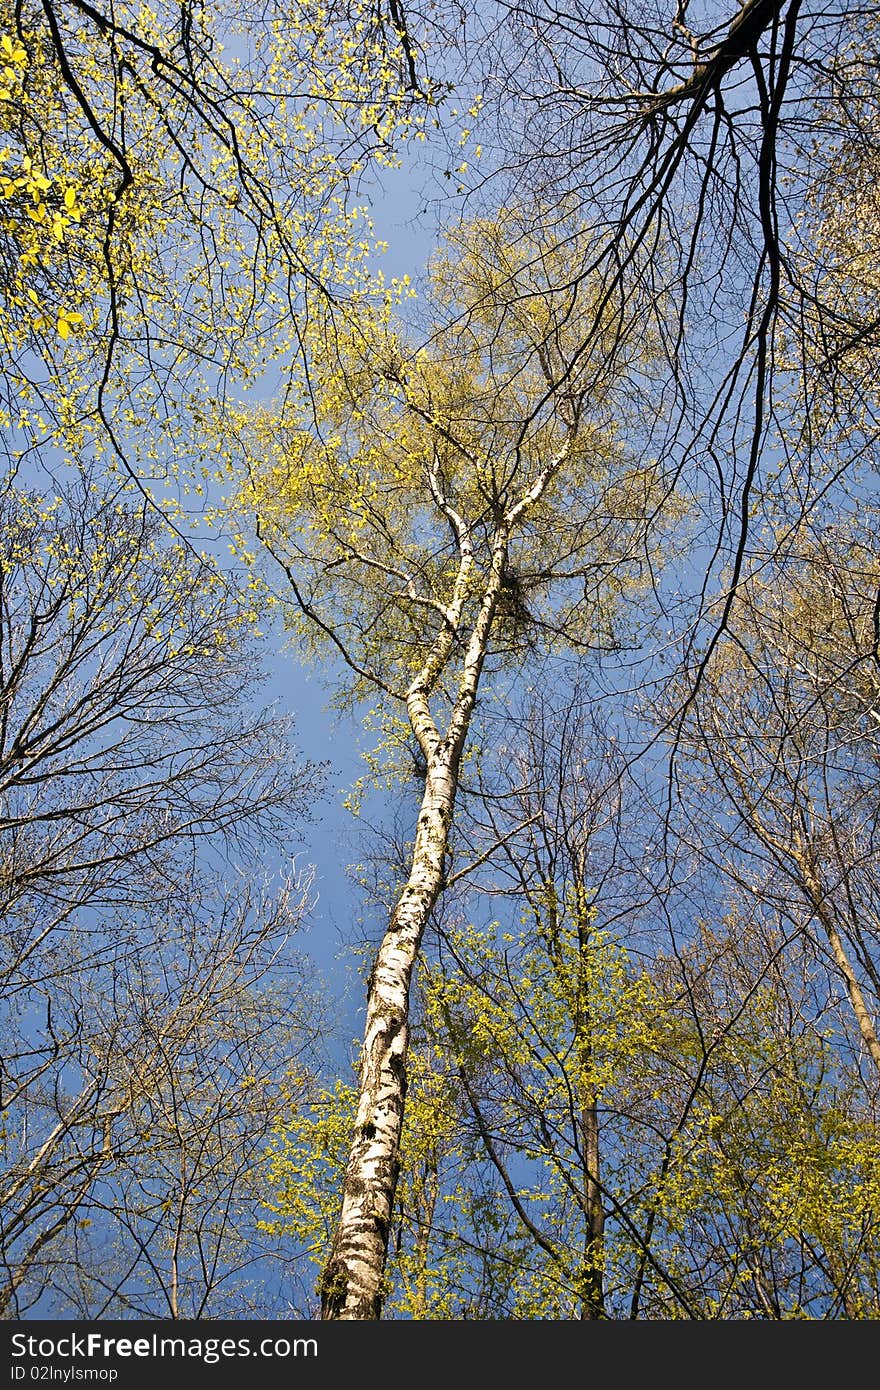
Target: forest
[(568, 498)]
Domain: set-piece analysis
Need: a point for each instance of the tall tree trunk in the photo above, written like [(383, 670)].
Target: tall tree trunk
[(351, 1284), (592, 1295), (352, 1280)]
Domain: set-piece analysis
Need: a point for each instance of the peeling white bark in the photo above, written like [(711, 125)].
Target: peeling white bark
[(351, 1284), (352, 1281)]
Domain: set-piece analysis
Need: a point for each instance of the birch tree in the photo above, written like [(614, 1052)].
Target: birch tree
[(440, 512)]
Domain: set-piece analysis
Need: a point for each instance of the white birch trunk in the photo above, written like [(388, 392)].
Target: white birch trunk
[(352, 1281)]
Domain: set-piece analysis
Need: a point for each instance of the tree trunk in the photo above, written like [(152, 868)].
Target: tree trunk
[(351, 1284), (592, 1294)]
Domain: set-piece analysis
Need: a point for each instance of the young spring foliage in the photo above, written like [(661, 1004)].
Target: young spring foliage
[(174, 195), (397, 471)]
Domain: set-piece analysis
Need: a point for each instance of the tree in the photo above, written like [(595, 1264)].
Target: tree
[(725, 1160), (452, 1252), (540, 1008), (115, 644), (687, 147), (770, 1185), (448, 503), (700, 147), (786, 731), (167, 217), (36, 215), (450, 507), (598, 1124), (149, 1015), (838, 252), (137, 1106), (170, 213)]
